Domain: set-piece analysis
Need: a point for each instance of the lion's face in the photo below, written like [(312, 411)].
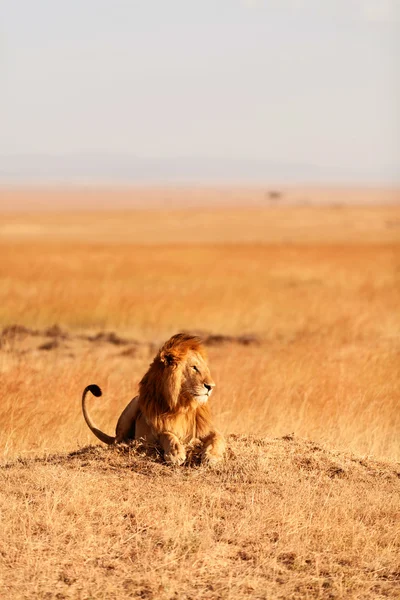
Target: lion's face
[(180, 372), (197, 382)]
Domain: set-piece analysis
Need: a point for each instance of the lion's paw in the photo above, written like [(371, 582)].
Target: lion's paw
[(176, 456), (211, 457)]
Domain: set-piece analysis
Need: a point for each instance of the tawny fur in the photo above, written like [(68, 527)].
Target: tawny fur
[(172, 408)]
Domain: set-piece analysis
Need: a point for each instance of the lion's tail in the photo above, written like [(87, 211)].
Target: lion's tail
[(96, 391)]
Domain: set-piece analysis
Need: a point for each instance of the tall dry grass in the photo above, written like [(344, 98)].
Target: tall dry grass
[(327, 316), (346, 395)]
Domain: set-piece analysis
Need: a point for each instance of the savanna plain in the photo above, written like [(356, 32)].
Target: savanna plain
[(298, 302)]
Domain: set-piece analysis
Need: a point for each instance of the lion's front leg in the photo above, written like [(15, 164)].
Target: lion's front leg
[(174, 451), (214, 448)]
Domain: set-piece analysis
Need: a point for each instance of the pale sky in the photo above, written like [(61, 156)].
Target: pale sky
[(288, 81)]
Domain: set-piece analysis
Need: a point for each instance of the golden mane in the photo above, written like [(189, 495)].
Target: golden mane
[(160, 388), (177, 347)]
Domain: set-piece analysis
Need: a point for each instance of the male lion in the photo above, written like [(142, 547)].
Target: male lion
[(171, 409)]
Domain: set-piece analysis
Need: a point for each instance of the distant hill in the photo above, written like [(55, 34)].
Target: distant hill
[(125, 169)]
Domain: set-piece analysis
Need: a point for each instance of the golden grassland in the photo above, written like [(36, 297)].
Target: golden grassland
[(306, 503)]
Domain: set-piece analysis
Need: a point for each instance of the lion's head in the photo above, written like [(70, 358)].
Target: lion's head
[(179, 375)]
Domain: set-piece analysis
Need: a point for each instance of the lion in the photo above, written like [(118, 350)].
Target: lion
[(171, 410)]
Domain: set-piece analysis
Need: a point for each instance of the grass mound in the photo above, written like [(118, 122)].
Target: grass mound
[(283, 517)]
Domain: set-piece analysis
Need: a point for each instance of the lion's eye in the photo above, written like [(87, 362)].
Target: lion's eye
[(196, 369)]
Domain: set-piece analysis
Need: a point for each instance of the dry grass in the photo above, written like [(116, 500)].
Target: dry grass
[(279, 519), (283, 517)]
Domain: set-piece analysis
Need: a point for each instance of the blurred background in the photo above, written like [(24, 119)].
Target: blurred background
[(228, 168), (234, 91)]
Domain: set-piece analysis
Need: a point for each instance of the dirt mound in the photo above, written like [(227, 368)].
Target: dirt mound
[(20, 339), (109, 337), (244, 340), (13, 331), (279, 518), (250, 459), (217, 339)]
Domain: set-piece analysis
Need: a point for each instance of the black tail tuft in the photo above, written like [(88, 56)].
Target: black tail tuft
[(94, 389)]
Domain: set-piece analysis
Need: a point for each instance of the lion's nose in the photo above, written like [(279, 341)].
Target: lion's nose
[(208, 386)]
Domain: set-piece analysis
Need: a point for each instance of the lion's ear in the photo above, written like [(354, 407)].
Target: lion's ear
[(167, 358)]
